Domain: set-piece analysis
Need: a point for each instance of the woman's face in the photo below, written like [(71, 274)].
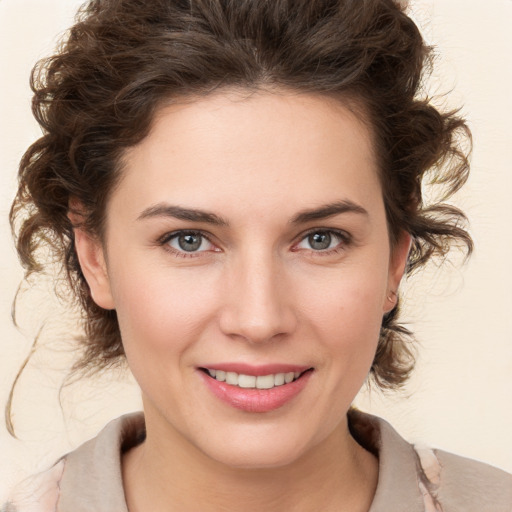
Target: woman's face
[(247, 239)]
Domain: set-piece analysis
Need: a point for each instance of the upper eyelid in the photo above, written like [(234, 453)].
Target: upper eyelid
[(340, 232), (171, 234)]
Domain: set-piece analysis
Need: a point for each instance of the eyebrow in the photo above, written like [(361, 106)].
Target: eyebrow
[(195, 215), (328, 210), (178, 212)]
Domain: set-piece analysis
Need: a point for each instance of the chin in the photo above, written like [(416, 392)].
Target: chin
[(256, 450), (254, 461)]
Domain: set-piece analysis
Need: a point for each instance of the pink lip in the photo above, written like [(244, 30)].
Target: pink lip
[(256, 400)]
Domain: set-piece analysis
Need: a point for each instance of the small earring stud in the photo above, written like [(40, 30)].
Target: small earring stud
[(392, 296)]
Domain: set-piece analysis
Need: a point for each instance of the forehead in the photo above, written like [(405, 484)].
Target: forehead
[(266, 147)]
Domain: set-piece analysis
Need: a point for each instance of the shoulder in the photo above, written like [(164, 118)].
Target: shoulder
[(465, 484), (38, 493), (417, 478), (88, 479)]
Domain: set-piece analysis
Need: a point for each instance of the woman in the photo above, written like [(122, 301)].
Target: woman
[(234, 191)]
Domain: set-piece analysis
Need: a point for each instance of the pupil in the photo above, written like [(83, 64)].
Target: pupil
[(189, 242), (320, 241)]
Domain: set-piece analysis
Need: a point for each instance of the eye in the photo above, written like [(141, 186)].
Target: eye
[(188, 242), (322, 240)]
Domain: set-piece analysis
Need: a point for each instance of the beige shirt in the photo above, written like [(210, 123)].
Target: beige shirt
[(411, 478)]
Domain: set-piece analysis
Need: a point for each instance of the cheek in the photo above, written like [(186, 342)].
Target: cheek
[(346, 312), (161, 310)]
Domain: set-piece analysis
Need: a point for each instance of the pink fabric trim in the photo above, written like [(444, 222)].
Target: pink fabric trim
[(39, 493), (432, 472)]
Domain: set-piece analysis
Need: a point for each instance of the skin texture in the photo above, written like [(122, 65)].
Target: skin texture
[(255, 292)]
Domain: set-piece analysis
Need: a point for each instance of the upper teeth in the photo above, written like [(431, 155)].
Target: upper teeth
[(251, 381)]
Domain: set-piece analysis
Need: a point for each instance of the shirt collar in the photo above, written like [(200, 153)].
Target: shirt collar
[(398, 485), (92, 480)]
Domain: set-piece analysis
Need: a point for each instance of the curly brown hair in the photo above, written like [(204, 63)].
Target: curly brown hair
[(123, 59)]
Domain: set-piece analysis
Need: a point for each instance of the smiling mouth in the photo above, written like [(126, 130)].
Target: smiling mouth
[(254, 382)]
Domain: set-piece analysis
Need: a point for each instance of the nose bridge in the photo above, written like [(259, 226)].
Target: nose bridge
[(256, 307)]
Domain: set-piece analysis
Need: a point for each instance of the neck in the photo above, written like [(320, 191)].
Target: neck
[(338, 474)]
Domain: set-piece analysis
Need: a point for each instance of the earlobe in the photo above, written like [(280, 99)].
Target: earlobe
[(397, 267), (93, 264)]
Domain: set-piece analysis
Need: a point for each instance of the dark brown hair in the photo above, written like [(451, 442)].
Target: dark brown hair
[(123, 59)]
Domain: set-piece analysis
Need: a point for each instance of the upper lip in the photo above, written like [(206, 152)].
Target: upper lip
[(256, 370)]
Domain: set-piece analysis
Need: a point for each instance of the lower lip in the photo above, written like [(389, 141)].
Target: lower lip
[(256, 400)]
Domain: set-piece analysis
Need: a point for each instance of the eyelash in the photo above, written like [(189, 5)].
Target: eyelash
[(345, 240), (164, 242)]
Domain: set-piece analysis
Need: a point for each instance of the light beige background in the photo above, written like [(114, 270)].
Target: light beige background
[(461, 395)]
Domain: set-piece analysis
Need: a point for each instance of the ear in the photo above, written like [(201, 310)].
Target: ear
[(92, 260), (397, 265)]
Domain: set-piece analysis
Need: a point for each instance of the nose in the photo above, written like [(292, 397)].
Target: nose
[(257, 305)]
